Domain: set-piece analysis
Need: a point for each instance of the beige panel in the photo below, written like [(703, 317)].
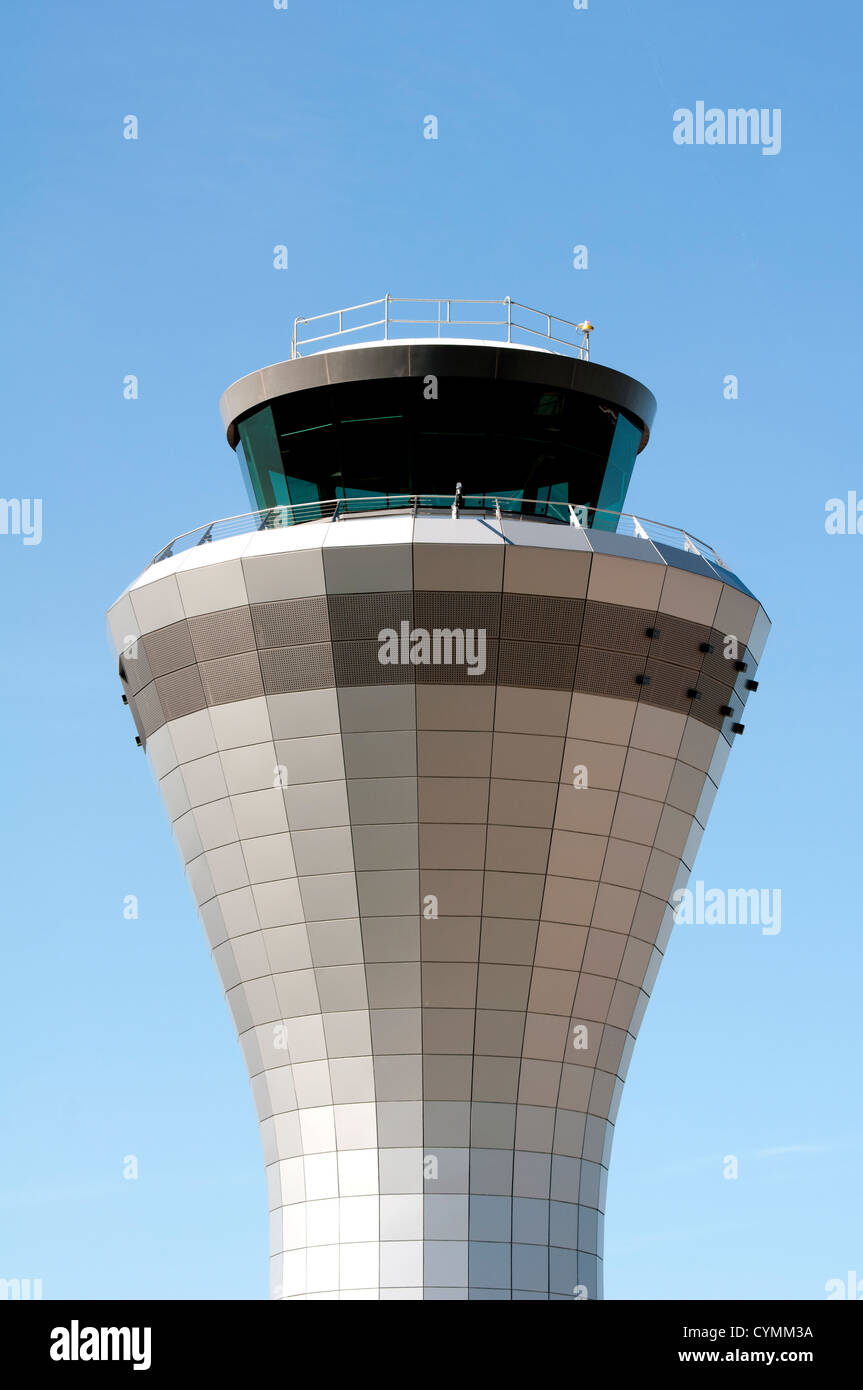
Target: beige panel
[(690, 596), (453, 567), (601, 719), (529, 570), (614, 579), (455, 707), (519, 711)]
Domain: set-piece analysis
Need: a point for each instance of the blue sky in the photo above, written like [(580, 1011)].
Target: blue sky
[(154, 257)]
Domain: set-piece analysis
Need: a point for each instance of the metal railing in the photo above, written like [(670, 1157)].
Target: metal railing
[(507, 322), (501, 508)]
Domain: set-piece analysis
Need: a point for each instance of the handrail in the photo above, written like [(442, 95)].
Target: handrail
[(505, 323), (343, 508)]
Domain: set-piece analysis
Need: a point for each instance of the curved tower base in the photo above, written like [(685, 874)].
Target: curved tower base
[(435, 782)]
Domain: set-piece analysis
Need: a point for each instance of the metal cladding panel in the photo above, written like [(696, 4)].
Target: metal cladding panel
[(227, 633), (169, 649), (434, 834), (385, 361)]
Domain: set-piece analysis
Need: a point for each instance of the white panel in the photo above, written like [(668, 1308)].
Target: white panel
[(372, 530)]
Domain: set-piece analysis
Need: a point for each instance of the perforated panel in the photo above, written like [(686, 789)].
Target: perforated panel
[(169, 648), (136, 668), (679, 641), (356, 663), (181, 693), (232, 678), (713, 695), (538, 665), (668, 686), (607, 673), (222, 634), (297, 668), (357, 616), (716, 665), (290, 622), (614, 627), (454, 610), (147, 710), (453, 674), (537, 618)]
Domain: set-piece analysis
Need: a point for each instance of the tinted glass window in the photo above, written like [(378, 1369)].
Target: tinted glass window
[(511, 440)]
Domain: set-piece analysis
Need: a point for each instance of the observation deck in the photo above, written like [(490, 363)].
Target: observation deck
[(538, 429)]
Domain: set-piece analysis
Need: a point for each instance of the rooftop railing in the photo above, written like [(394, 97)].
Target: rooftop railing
[(504, 317), (483, 505)]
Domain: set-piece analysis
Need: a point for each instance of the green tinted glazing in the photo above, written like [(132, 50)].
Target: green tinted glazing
[(262, 456), (254, 499), (533, 449), (615, 483)]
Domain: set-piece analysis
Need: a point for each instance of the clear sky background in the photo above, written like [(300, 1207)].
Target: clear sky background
[(304, 127)]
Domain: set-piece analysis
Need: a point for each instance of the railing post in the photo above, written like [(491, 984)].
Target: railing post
[(509, 319), (386, 318)]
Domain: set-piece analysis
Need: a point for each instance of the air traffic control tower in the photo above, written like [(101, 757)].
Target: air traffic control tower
[(438, 728)]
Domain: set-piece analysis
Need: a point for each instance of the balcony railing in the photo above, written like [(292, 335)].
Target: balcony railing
[(501, 508), (504, 317)]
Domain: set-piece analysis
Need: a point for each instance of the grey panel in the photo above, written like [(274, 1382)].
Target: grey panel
[(458, 610), (685, 560), (181, 693), (287, 669), (537, 618), (232, 678), (728, 578), (537, 665), (679, 641), (668, 686), (148, 708), (291, 622), (462, 674), (169, 648), (357, 663), (135, 669), (617, 628), (356, 616), (713, 697), (607, 673), (222, 634), (632, 547), (716, 665)]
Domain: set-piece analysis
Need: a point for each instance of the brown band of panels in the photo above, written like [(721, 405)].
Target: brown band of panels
[(528, 640)]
